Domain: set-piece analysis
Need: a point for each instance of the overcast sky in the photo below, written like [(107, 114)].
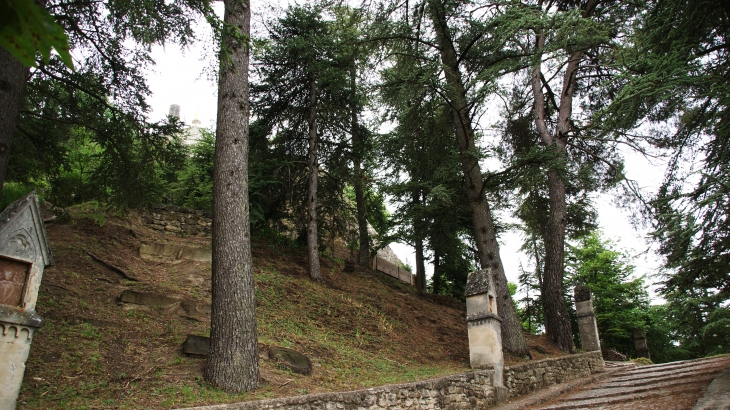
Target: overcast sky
[(180, 77)]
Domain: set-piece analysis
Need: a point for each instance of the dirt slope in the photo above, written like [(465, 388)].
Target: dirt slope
[(360, 328)]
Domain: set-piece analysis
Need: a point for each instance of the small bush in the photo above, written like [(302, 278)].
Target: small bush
[(642, 361)]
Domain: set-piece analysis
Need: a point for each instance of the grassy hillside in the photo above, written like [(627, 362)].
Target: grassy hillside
[(360, 328)]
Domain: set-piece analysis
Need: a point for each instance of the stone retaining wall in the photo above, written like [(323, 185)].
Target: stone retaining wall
[(471, 390), (462, 391), (528, 377), (175, 220)]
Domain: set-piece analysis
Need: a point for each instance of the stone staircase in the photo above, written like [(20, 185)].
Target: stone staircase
[(668, 386)]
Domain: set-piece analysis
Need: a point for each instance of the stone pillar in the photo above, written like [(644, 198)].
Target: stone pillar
[(174, 111), (640, 343), (484, 327), (24, 253), (587, 326)]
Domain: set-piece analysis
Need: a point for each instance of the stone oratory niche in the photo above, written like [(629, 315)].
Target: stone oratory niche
[(485, 328), (24, 253)]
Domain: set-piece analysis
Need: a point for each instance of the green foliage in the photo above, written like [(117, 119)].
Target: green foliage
[(674, 82), (529, 307), (98, 113), (716, 333), (620, 300), (12, 191), (27, 29), (194, 186)]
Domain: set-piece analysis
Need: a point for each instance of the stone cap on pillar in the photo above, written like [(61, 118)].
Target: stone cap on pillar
[(22, 233), (481, 297), (478, 282), (582, 293)]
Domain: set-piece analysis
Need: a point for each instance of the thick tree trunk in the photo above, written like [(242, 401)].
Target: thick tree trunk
[(13, 76), (312, 237), (513, 340), (233, 360), (557, 321)]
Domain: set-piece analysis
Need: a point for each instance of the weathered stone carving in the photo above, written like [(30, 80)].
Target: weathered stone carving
[(587, 326), (13, 275), (24, 253)]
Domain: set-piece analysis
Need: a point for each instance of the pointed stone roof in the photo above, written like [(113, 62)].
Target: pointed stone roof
[(22, 233)]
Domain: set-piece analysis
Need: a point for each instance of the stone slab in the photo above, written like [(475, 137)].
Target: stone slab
[(196, 345), (172, 252), (145, 299)]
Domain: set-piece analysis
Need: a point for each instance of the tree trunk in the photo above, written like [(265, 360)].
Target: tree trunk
[(557, 321), (233, 360), (418, 246), (312, 239), (513, 340), (436, 272), (13, 76), (358, 151), (362, 220)]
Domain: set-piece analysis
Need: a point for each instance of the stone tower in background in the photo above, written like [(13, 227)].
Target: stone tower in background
[(175, 111)]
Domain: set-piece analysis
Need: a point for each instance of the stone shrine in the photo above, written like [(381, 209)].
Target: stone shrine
[(587, 326), (24, 253), (484, 327)]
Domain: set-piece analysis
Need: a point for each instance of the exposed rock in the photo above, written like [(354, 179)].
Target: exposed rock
[(291, 359), (194, 308), (196, 345), (146, 299)]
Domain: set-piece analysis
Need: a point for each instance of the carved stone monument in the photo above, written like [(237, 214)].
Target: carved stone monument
[(640, 343), (24, 253), (484, 327), (587, 326)]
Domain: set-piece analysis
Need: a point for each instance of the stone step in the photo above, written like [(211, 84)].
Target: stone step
[(632, 375), (659, 378), (676, 365), (620, 391), (609, 402)]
